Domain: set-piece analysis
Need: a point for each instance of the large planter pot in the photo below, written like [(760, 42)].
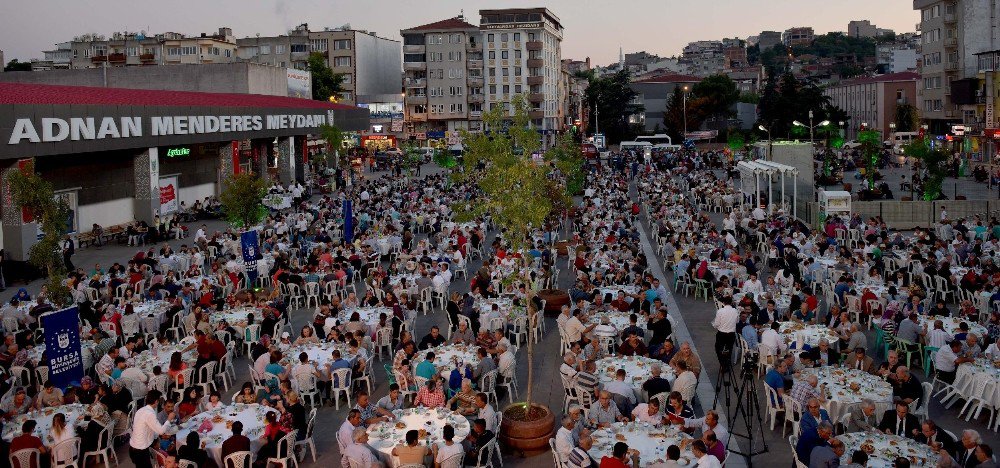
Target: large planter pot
[(554, 299), (529, 438), (561, 247)]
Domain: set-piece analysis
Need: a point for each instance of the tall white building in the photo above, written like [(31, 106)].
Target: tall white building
[(523, 54)]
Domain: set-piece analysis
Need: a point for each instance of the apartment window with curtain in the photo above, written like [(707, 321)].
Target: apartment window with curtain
[(341, 61)]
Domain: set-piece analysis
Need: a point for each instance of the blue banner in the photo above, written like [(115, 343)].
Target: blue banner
[(348, 222), (62, 346), (250, 246)]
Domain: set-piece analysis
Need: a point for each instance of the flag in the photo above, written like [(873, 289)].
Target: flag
[(62, 346), (348, 222), (250, 247)]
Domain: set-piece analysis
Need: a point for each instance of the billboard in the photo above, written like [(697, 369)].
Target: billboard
[(62, 346), (168, 195), (299, 83)]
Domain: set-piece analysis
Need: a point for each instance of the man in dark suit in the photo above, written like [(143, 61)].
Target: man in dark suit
[(824, 355), (937, 438), (900, 422), (858, 360), (965, 454), (237, 443)]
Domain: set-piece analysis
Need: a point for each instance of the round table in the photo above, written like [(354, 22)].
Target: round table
[(368, 315), (951, 325), (447, 357), (236, 318), (638, 369), (882, 449), (617, 320), (651, 442), (629, 289), (319, 353), (971, 380), (840, 384), (252, 417), (800, 333), (146, 360), (74, 417), (386, 435)]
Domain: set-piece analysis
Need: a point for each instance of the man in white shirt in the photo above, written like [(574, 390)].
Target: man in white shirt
[(947, 360), (725, 326), (146, 429), (358, 450), (648, 412), (938, 338), (753, 286), (575, 329), (773, 340), (564, 437), (710, 422), (568, 368), (505, 361), (686, 382)]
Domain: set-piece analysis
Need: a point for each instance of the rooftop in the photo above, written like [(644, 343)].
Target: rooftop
[(886, 78), (457, 22), (670, 78), (39, 94)]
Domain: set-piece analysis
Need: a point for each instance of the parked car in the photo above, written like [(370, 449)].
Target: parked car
[(852, 144)]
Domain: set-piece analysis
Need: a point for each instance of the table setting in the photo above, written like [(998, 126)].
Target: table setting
[(882, 449), (651, 441), (800, 334), (638, 369), (845, 388), (448, 357), (430, 423), (951, 325), (74, 417), (215, 426), (159, 355), (86, 350), (320, 354), (610, 323)]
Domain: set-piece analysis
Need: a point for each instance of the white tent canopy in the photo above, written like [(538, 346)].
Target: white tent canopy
[(765, 171)]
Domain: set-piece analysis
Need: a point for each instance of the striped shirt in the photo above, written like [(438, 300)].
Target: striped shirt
[(578, 458)]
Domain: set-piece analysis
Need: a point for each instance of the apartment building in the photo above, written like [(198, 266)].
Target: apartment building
[(865, 28), (133, 49), (523, 54), (287, 51), (952, 33), (443, 79), (370, 64), (801, 36), (768, 39), (872, 101)]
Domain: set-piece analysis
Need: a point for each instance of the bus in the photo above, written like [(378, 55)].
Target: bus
[(657, 139), (644, 146)]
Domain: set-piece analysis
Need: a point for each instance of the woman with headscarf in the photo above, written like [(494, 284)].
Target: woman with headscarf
[(22, 295)]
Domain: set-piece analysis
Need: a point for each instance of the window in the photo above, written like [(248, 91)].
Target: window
[(506, 89), (493, 89), (489, 38), (299, 48), (493, 55), (503, 37), (279, 49), (517, 89), (229, 53), (493, 72), (341, 61), (517, 54), (342, 44), (318, 45), (517, 71), (531, 37), (348, 79), (503, 54), (506, 71), (517, 37), (265, 50)]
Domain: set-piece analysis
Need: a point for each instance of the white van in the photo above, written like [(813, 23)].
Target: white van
[(898, 140)]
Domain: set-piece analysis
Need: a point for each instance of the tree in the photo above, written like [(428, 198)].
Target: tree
[(326, 85), (32, 193), (242, 200), (334, 137), (567, 156), (510, 184), (934, 162), (16, 65), (750, 97), (871, 144), (717, 94), (611, 97), (675, 115), (906, 118)]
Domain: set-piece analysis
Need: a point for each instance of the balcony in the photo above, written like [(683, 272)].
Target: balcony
[(414, 65), (949, 18), (147, 57), (117, 58), (535, 63), (99, 58), (473, 46), (416, 99), (475, 63), (536, 80), (414, 49), (475, 98), (951, 66), (416, 83), (416, 116), (536, 114), (534, 45), (475, 114), (475, 81), (536, 97), (951, 114), (951, 42)]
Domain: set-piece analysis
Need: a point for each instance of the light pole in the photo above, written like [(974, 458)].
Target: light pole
[(685, 107), (770, 142), (812, 128)]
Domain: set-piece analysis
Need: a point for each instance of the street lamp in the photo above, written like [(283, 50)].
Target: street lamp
[(684, 138), (770, 143), (812, 128)]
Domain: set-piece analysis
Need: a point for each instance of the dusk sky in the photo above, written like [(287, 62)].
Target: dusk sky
[(592, 28)]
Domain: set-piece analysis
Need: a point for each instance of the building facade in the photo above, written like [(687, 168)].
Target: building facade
[(801, 36), (952, 33), (654, 94), (134, 49), (768, 39), (872, 101), (443, 80), (523, 55), (291, 50)]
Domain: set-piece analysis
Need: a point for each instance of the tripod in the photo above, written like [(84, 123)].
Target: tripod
[(741, 417)]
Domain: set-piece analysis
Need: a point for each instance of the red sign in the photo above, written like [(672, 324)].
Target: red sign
[(167, 194), (991, 133), (236, 157)]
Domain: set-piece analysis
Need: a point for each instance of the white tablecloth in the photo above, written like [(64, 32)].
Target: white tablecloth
[(146, 360), (74, 417), (446, 357), (951, 325), (384, 436), (882, 449), (321, 354), (651, 442), (277, 201), (86, 349), (252, 417), (842, 398), (368, 315), (799, 334), (971, 380), (618, 320)]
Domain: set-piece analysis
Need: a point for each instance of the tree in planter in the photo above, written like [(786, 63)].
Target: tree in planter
[(933, 161), (241, 200), (29, 191), (871, 143), (500, 165), (567, 156), (334, 137)]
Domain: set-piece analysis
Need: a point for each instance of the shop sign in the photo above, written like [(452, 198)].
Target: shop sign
[(178, 152)]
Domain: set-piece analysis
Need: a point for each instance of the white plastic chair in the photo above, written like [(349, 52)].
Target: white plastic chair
[(285, 456), (103, 450), (306, 382), (312, 294), (340, 381), (237, 460), (25, 458), (66, 453), (308, 443)]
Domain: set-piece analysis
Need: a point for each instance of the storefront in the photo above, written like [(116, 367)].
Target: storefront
[(120, 155), (376, 143)]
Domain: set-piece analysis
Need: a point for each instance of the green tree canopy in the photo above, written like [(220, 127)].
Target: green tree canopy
[(325, 83), (906, 118), (611, 99), (241, 199), (934, 162), (16, 65), (717, 94)]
